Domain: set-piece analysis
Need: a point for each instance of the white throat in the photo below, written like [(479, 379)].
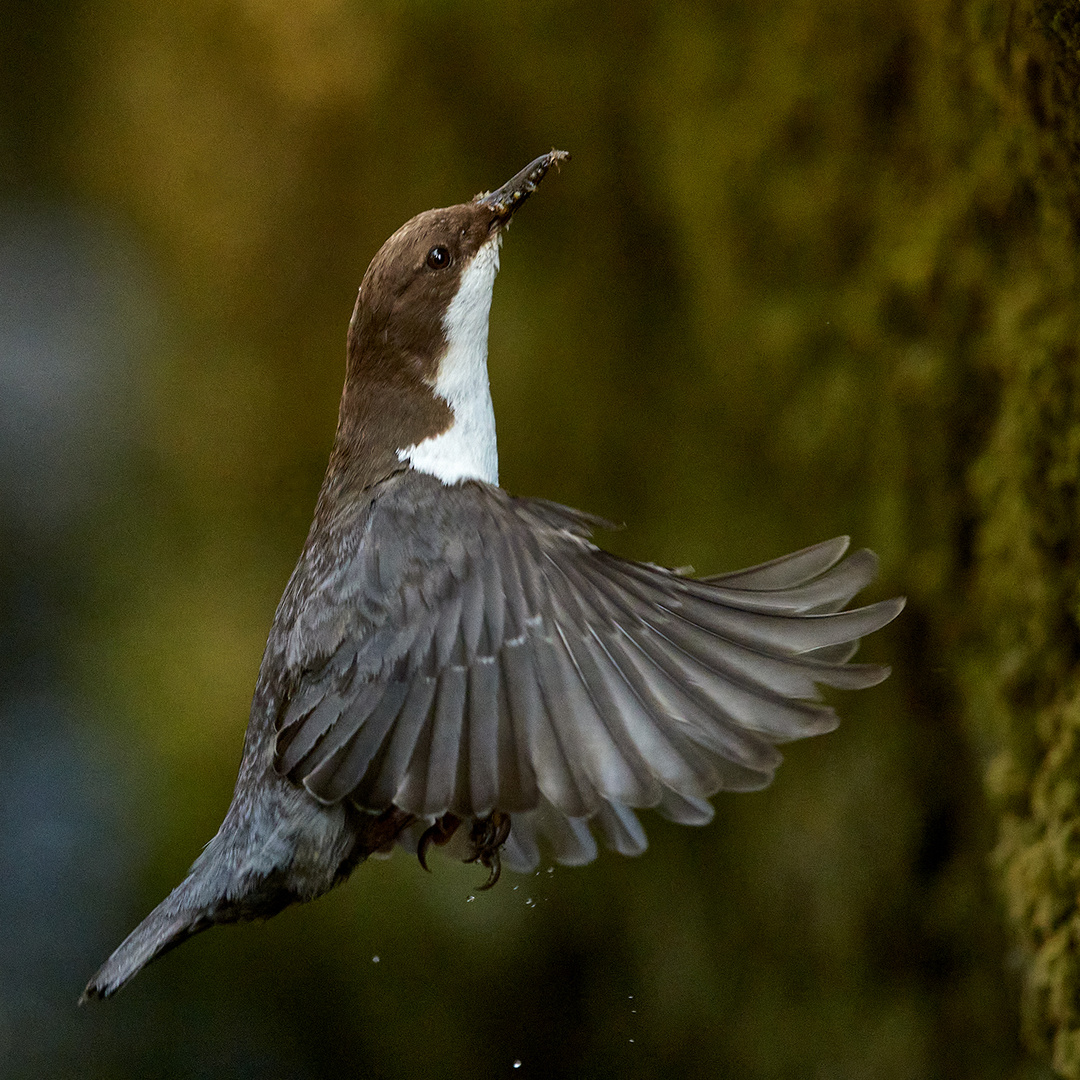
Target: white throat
[(466, 450)]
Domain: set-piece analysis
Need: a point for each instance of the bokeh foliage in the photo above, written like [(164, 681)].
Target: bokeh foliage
[(813, 269)]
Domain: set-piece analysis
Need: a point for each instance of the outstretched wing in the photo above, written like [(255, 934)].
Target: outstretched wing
[(504, 662)]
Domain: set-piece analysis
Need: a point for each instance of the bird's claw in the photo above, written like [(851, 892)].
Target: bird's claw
[(438, 834), (486, 836)]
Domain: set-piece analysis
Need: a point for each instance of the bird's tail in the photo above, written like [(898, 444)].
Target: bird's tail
[(248, 871), (172, 922), (200, 901)]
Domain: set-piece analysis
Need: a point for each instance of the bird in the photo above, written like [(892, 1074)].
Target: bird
[(451, 664)]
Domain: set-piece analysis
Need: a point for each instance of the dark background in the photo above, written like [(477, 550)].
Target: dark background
[(799, 279)]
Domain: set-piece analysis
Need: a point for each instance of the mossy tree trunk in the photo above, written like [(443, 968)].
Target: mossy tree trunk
[(1017, 638), (987, 396)]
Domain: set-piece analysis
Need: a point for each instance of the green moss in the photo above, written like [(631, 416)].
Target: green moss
[(1019, 638)]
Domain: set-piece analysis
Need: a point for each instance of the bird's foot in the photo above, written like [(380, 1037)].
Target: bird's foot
[(438, 834), (486, 836)]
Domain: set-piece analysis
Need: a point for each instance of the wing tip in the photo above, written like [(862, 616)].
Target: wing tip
[(787, 571), (888, 610)]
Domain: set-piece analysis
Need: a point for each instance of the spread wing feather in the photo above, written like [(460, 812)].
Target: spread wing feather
[(489, 657)]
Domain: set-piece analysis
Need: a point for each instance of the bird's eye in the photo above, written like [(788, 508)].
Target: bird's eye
[(438, 258)]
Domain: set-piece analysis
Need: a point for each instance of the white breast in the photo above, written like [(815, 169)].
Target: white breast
[(467, 450)]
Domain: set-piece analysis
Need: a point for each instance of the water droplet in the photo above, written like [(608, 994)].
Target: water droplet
[(374, 959), (631, 1040), (517, 1063), (551, 869)]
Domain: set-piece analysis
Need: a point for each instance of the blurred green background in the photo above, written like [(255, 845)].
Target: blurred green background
[(803, 259)]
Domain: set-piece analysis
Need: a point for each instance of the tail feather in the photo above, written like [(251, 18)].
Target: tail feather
[(168, 925)]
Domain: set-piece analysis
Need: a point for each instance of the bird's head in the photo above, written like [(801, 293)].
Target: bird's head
[(416, 381)]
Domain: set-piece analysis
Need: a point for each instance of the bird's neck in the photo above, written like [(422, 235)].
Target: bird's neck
[(467, 450)]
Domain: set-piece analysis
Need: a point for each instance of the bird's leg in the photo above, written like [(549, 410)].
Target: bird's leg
[(440, 833), (374, 832), (486, 836), (381, 834)]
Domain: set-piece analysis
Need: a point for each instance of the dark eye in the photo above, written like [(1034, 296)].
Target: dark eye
[(438, 258)]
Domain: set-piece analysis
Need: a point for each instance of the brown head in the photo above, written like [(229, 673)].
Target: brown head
[(417, 347)]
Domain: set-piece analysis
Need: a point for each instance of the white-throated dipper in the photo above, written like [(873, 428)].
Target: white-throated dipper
[(449, 658)]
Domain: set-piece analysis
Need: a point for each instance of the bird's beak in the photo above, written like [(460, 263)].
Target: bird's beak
[(514, 192)]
